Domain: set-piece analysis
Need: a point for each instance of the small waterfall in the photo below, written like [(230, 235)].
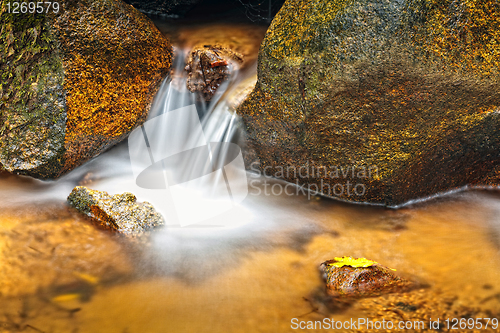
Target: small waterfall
[(185, 159)]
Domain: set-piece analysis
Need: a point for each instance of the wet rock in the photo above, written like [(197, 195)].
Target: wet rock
[(379, 101), (120, 212), (208, 66), (238, 45), (348, 277), (242, 38), (165, 7), (74, 83)]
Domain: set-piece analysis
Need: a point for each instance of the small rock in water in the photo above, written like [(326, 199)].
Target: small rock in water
[(348, 277), (208, 67), (120, 212)]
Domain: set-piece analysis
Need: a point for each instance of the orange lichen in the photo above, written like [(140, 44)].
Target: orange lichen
[(464, 34), (74, 83), (112, 73)]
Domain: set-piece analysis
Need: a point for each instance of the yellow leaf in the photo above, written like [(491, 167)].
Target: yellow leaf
[(353, 262), (66, 298), (87, 278)]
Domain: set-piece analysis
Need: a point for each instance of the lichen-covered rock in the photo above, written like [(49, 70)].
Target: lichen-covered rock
[(398, 98), (208, 66), (120, 212), (166, 7), (348, 277), (75, 82)]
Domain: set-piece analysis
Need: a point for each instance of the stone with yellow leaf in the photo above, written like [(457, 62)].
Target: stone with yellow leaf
[(348, 277)]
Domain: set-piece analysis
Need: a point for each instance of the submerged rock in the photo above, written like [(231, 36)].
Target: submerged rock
[(208, 66), (43, 246), (379, 101), (348, 277), (74, 82), (120, 212)]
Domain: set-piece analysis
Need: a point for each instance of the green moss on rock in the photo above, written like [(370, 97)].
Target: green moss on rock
[(32, 98), (120, 212)]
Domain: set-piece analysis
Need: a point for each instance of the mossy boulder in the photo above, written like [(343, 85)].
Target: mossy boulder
[(74, 83), (120, 212), (396, 100)]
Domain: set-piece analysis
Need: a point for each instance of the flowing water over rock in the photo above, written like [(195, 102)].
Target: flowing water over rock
[(253, 268)]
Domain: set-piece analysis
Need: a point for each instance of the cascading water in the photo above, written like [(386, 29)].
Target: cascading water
[(109, 171), (184, 156)]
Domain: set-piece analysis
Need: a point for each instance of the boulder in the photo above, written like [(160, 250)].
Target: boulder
[(120, 212), (74, 82), (379, 101)]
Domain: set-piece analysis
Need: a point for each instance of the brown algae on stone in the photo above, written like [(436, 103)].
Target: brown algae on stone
[(348, 277), (120, 212)]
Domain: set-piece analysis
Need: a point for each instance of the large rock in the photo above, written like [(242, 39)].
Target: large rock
[(120, 212), (398, 97), (74, 83)]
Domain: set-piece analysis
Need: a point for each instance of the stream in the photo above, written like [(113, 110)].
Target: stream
[(251, 268)]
